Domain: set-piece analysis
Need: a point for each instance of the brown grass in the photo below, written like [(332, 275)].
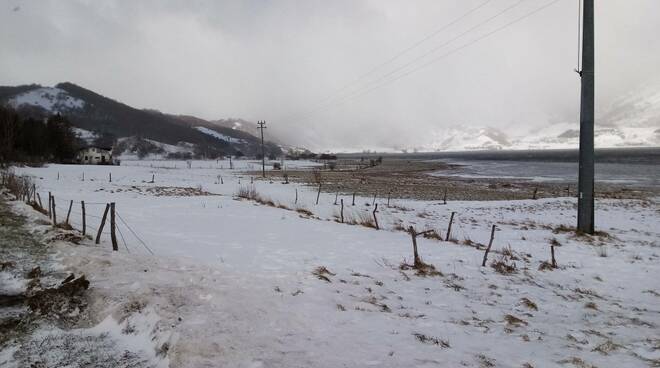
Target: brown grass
[(322, 273), (432, 340), (504, 265), (529, 304)]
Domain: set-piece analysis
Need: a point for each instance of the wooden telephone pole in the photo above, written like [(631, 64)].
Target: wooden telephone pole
[(585, 217), (262, 126)]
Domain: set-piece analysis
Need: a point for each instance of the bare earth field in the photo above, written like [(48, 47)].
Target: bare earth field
[(410, 179)]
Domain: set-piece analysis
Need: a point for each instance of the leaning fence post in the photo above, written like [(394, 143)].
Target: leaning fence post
[(490, 243), (68, 213), (105, 214), (451, 219), (341, 212), (84, 220), (318, 194), (417, 261), (113, 226), (374, 201), (39, 199), (376, 219), (52, 199)]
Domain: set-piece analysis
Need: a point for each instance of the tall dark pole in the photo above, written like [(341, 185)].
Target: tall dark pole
[(262, 126), (586, 174)]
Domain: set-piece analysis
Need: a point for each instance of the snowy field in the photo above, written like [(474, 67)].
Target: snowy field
[(237, 283)]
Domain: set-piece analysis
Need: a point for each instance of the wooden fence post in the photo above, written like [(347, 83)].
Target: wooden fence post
[(84, 219), (336, 196), (39, 199), (552, 253), (68, 213), (451, 220), (110, 177), (389, 194), (296, 201), (490, 243), (444, 197), (83, 177), (341, 212), (353, 199), (50, 205), (318, 194), (105, 215), (374, 201), (536, 189), (376, 219), (52, 198), (113, 226), (413, 235)]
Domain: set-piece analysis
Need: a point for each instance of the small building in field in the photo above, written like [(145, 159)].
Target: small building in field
[(94, 155)]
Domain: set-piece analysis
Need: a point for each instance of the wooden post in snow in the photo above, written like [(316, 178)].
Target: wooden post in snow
[(318, 194), (413, 235), (389, 194), (105, 215), (353, 199), (374, 201), (336, 196), (444, 197), (84, 219), (451, 220), (52, 199), (490, 244), (110, 177), (113, 227), (375, 218), (341, 211), (536, 189), (83, 177), (50, 205), (39, 199), (296, 200), (68, 213), (552, 254)]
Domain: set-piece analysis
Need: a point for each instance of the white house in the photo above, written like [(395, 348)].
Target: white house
[(94, 156)]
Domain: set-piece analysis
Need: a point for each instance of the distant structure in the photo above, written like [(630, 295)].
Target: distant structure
[(94, 155)]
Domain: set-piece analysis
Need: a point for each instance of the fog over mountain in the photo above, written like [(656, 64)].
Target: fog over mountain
[(285, 61)]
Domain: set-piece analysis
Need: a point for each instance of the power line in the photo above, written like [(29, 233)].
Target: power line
[(433, 50), (404, 51), (443, 56)]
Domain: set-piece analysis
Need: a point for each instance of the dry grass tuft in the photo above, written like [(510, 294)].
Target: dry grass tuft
[(504, 265), (363, 218), (529, 304), (421, 269), (514, 321), (322, 273), (432, 340), (433, 235), (591, 305)]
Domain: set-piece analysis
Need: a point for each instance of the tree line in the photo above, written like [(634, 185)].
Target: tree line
[(30, 140)]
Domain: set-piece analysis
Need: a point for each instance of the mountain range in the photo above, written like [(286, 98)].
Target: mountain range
[(94, 116)]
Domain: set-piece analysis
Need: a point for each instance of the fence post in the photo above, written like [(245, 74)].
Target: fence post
[(336, 195), (451, 219), (110, 177), (375, 219), (68, 213), (353, 199), (50, 205), (296, 201), (105, 214), (490, 243), (341, 212), (417, 261), (536, 189), (39, 199), (552, 253), (52, 198), (374, 201), (113, 226), (444, 197), (318, 194), (84, 220)]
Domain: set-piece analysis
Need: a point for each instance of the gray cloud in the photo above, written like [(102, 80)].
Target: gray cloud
[(276, 60)]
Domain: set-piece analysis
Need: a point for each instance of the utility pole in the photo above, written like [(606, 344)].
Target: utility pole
[(585, 217), (262, 126)]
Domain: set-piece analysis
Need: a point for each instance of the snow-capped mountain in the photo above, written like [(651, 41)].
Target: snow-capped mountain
[(96, 116)]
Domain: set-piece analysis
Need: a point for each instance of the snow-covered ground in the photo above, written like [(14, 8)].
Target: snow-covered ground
[(231, 282)]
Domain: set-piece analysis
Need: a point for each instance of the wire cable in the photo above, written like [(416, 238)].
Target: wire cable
[(133, 232)]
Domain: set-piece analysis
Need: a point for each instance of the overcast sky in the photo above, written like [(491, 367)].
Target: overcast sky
[(297, 64)]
